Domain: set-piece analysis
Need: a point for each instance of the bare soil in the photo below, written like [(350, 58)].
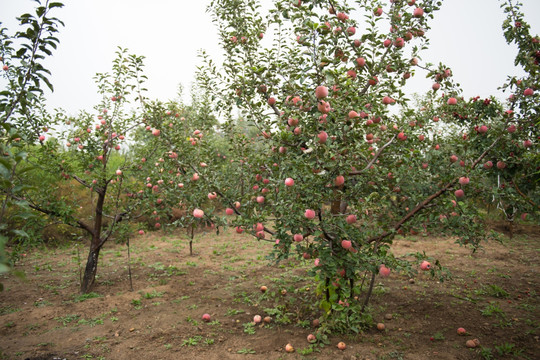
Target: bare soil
[(493, 294)]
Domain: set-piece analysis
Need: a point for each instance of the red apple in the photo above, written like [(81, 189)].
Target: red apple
[(488, 165), (271, 101), (387, 100), (384, 271), (452, 101), (463, 180), (229, 211), (311, 338), (309, 214), (501, 165), (459, 193), (289, 348), (361, 61), (461, 331), (198, 213), (206, 317), (341, 345), (141, 232), (289, 182), (453, 158), (346, 244), (323, 136), (351, 219), (425, 265), (321, 92), (528, 92), (298, 237), (340, 180), (418, 12)]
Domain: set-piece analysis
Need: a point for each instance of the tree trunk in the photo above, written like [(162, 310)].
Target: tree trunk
[(91, 269), (95, 246)]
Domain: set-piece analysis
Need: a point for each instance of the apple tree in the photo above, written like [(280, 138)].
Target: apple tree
[(23, 78), (88, 162), (345, 161)]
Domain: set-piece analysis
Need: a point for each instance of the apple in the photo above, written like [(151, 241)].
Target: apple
[(387, 100), (298, 237), (401, 136), (528, 92), (436, 86), (527, 143), (483, 129), (198, 213), (488, 165), (141, 232), (384, 271), (237, 204), (501, 165), (470, 344), (464, 180), (435, 119), (289, 348), (387, 43), (511, 128), (453, 158), (341, 345), (260, 199), (239, 230), (212, 195), (425, 165), (399, 42), (346, 244), (452, 101), (380, 326), (361, 61), (263, 289), (5, 68), (289, 182), (309, 214), (339, 181), (206, 317), (461, 331), (229, 211), (323, 136), (459, 193), (378, 11), (259, 227), (118, 172), (351, 219), (156, 132), (311, 338), (257, 319), (418, 12), (425, 265), (195, 177), (41, 138)]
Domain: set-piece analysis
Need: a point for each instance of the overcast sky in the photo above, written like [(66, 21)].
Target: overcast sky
[(466, 35)]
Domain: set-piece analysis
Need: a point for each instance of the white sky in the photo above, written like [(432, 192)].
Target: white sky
[(466, 35)]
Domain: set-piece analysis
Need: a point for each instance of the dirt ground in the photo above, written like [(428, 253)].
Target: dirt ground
[(493, 295)]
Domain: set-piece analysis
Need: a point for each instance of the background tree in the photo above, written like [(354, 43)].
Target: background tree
[(21, 101)]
